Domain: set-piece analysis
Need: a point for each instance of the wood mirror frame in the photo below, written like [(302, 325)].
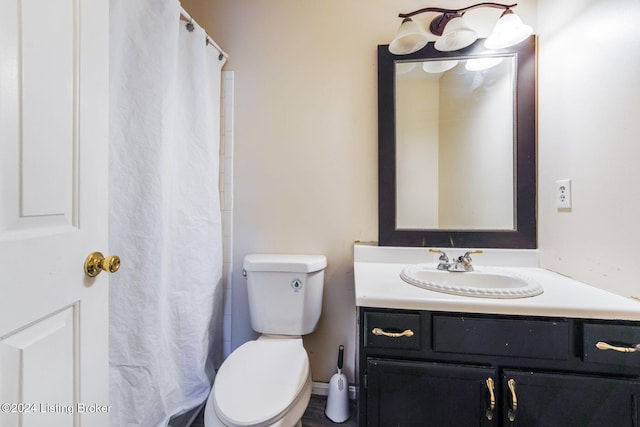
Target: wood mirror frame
[(524, 234)]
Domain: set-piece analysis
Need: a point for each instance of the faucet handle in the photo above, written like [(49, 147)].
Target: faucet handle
[(467, 255), (444, 259), (443, 255)]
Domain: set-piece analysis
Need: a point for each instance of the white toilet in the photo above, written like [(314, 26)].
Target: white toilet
[(267, 382)]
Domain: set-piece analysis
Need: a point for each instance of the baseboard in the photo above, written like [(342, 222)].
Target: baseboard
[(322, 389)]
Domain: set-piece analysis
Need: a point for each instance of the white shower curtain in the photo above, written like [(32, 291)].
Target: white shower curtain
[(165, 221)]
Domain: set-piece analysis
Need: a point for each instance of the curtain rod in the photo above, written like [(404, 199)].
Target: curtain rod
[(210, 41)]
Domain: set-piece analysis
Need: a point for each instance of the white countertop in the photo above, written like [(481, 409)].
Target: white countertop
[(378, 284)]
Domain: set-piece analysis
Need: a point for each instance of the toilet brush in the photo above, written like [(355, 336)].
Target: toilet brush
[(337, 409)]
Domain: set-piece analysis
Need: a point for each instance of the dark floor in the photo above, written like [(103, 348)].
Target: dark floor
[(313, 417)]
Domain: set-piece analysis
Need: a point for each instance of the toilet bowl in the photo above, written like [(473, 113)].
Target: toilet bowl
[(267, 382)]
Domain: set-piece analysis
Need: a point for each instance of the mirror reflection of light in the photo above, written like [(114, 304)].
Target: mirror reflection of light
[(405, 67), (478, 64), (435, 67)]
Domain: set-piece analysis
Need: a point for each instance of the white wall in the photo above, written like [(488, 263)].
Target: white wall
[(305, 138), (589, 128), (226, 199)]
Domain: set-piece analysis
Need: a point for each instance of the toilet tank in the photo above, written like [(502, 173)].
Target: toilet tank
[(285, 292)]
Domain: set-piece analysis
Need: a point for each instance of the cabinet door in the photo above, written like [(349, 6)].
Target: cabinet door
[(404, 394), (559, 400)]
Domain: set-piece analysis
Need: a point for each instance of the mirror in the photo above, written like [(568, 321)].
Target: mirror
[(455, 115), (457, 147)]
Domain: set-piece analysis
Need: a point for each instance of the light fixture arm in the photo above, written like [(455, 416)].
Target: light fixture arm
[(459, 11), (437, 24)]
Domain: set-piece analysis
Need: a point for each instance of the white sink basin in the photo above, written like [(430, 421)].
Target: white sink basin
[(484, 282)]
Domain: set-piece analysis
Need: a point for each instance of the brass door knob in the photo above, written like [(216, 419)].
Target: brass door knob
[(96, 262)]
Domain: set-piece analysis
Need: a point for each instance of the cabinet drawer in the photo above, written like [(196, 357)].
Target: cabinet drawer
[(392, 330), (536, 339), (616, 335)]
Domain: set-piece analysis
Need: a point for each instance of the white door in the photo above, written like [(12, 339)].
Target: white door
[(53, 212)]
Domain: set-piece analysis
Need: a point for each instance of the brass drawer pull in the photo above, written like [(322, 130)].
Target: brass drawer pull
[(492, 399), (405, 333), (514, 400), (604, 346)]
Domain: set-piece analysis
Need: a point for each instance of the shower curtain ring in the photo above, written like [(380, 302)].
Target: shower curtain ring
[(190, 26)]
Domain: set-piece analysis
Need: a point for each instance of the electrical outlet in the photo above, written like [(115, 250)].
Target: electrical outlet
[(563, 194)]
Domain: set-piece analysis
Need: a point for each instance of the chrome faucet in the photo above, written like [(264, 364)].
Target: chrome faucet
[(463, 263), (444, 259), (460, 265)]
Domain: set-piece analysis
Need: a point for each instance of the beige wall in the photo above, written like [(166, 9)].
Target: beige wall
[(417, 130), (306, 139)]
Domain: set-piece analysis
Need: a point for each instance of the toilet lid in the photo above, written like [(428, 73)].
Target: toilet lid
[(260, 380)]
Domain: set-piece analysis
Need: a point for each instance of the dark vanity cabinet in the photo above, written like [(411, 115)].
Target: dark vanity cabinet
[(422, 368), (409, 393)]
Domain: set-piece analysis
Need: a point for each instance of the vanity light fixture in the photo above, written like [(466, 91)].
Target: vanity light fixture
[(453, 32)]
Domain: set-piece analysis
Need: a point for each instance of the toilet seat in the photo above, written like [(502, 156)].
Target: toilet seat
[(260, 380)]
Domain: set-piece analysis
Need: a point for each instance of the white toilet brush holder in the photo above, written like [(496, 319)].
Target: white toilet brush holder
[(337, 409)]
